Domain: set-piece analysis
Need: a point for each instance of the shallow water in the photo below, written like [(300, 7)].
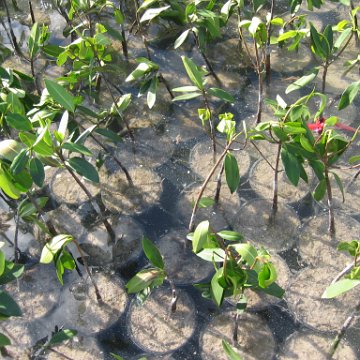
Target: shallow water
[(163, 171)]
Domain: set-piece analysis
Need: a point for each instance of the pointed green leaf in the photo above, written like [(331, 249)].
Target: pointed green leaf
[(84, 168), (61, 336), (200, 236), (143, 279), (304, 80), (230, 352), (53, 246), (8, 306), (230, 235), (348, 96), (78, 148), (339, 184), (187, 96), (339, 287), (232, 172), (152, 13), (33, 42), (152, 253), (291, 166), (18, 122), (151, 95), (37, 171), (60, 95), (217, 291), (180, 40), (320, 190), (221, 94), (193, 72), (4, 340)]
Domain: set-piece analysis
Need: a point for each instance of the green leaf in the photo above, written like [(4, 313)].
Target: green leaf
[(61, 336), (119, 16), (339, 287), (193, 72), (200, 236), (221, 94), (116, 357), (4, 340), (151, 94), (320, 48), (180, 40), (348, 96), (142, 69), (111, 135), (26, 207), (341, 38), (143, 279), (212, 254), (2, 262), (53, 246), (63, 125), (37, 171), (206, 202), (217, 291), (12, 272), (60, 95), (152, 253), (33, 42), (189, 88), (152, 13), (247, 252), (230, 352), (255, 22), (304, 80), (78, 148), (232, 172), (187, 96), (354, 159), (230, 235), (18, 122), (320, 190), (339, 184), (19, 163), (8, 307), (267, 275), (291, 166), (84, 168), (7, 185)]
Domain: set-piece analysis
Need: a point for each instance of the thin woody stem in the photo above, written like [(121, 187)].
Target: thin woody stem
[(203, 186), (274, 208)]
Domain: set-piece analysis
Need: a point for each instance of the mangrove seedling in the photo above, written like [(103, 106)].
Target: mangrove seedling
[(146, 280), (238, 265), (346, 280)]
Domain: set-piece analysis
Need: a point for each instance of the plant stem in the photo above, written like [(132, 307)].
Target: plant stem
[(323, 86), (123, 41), (122, 167), (212, 131), (218, 183), (83, 258), (203, 186), (174, 296), (31, 12), (203, 55), (260, 85), (13, 37), (267, 48), (118, 111), (236, 328), (274, 207), (159, 74), (331, 228), (342, 331), (93, 204)]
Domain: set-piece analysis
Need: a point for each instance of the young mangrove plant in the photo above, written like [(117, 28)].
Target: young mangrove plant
[(8, 307), (346, 280), (150, 278), (238, 265), (199, 88)]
